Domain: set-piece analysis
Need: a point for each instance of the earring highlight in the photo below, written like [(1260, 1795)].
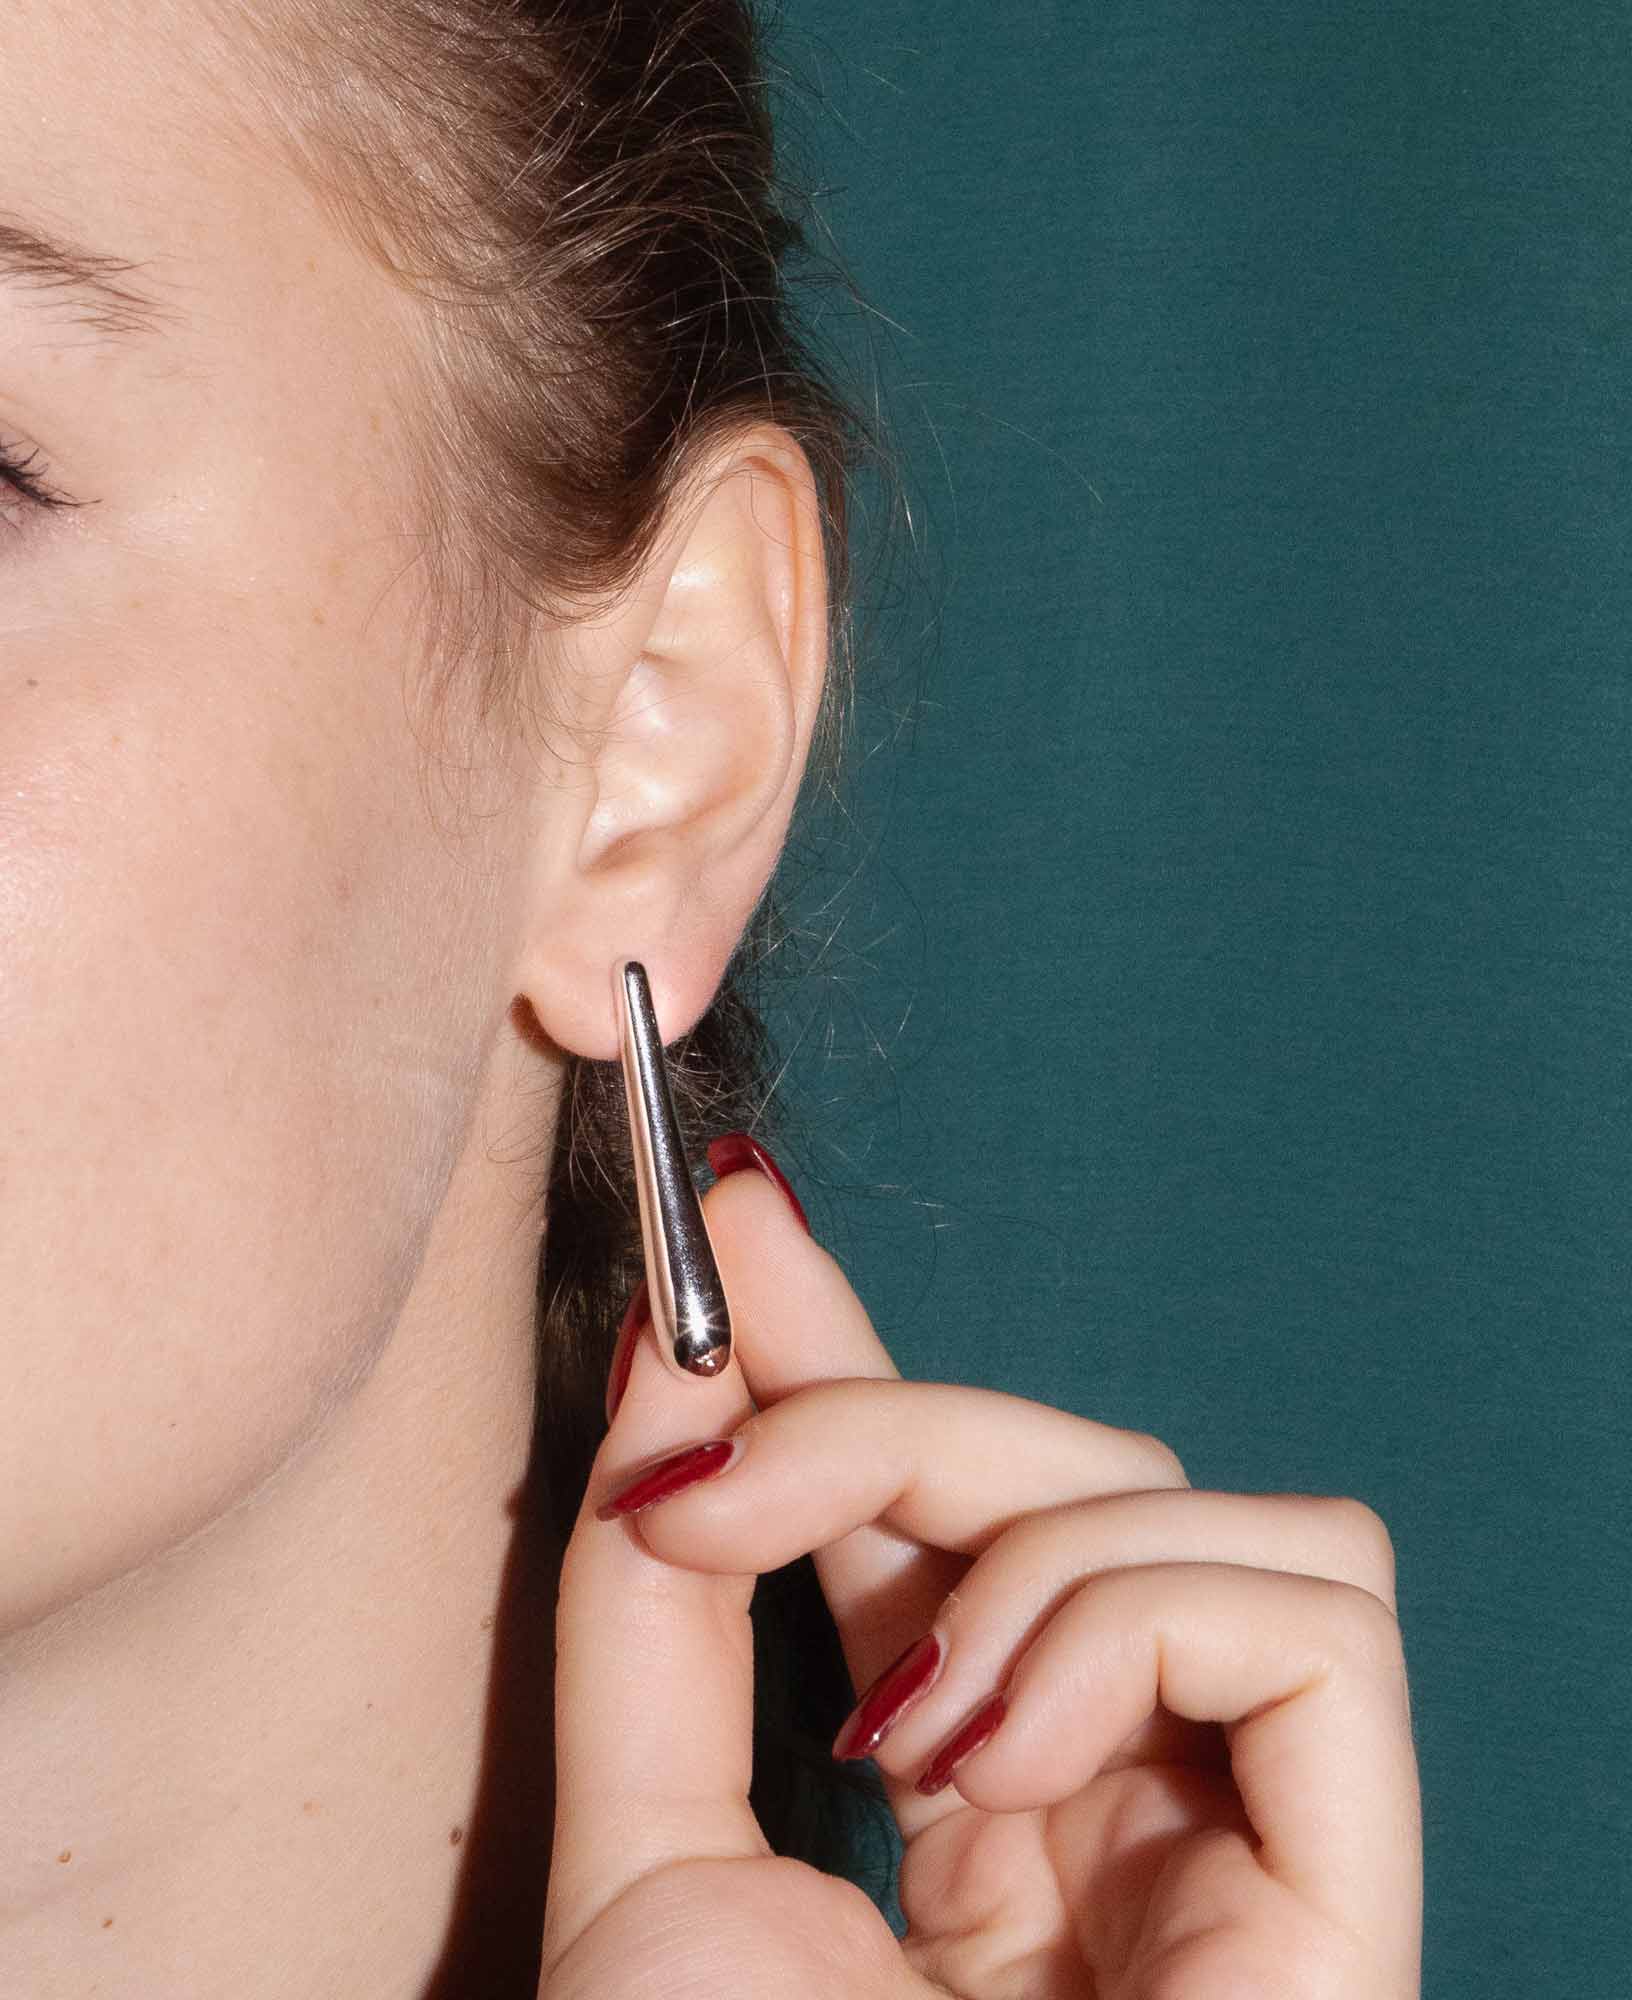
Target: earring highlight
[(690, 1315)]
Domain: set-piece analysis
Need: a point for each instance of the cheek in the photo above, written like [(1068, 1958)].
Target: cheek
[(241, 993)]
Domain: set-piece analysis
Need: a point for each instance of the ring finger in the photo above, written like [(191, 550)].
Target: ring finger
[(1020, 1583)]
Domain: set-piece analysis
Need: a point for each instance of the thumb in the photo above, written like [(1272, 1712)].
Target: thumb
[(653, 1675)]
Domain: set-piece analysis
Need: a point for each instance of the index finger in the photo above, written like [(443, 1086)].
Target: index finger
[(800, 1313), (796, 1321)]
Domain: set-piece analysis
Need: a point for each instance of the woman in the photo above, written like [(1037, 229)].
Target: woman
[(420, 529)]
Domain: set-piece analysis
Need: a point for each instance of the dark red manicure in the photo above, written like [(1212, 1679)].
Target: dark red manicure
[(889, 1698), (637, 1316), (733, 1151), (672, 1475), (982, 1724)]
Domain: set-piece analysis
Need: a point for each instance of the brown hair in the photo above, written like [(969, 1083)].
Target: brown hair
[(583, 195)]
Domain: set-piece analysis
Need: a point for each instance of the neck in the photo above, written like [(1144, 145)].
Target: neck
[(307, 1753)]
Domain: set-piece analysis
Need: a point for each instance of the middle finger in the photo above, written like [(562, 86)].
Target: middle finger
[(799, 1322), (942, 1463)]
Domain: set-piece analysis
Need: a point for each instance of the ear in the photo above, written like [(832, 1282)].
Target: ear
[(695, 699)]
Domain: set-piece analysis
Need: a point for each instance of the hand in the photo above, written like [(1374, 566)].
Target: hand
[(1204, 1784)]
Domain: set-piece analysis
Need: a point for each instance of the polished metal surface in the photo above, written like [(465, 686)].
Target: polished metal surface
[(689, 1311)]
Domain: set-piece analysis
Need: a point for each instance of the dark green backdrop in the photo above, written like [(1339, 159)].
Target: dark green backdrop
[(1222, 1025)]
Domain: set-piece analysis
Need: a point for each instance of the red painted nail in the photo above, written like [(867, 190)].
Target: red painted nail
[(982, 1724), (733, 1151), (672, 1475), (637, 1316), (889, 1698)]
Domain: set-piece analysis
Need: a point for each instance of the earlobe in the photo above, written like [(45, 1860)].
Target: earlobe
[(717, 658)]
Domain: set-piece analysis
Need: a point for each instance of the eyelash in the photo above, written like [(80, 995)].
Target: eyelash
[(18, 474)]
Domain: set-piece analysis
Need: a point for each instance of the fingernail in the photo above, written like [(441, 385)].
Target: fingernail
[(637, 1316), (733, 1151), (982, 1724), (672, 1475), (889, 1698)]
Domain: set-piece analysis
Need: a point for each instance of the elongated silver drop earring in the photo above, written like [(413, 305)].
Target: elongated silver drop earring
[(689, 1312)]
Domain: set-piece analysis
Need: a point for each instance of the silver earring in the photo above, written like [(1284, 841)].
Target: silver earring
[(689, 1311)]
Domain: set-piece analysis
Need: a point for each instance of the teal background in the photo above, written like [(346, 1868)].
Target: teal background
[(1218, 1014)]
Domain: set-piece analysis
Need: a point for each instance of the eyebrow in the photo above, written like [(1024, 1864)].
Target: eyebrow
[(93, 285)]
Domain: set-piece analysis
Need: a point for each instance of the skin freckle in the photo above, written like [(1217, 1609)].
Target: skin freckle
[(301, 1192)]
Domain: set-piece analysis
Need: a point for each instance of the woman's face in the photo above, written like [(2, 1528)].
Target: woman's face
[(247, 975)]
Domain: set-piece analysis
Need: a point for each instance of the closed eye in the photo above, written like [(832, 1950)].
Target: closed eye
[(22, 476)]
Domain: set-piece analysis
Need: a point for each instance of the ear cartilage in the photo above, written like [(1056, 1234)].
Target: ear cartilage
[(689, 1312)]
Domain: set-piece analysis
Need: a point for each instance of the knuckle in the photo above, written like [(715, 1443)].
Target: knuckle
[(1220, 1961), (1363, 1529), (847, 1919), (1164, 1460), (1368, 1633)]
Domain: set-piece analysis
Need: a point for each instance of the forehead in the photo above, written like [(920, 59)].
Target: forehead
[(130, 137), (108, 136)]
